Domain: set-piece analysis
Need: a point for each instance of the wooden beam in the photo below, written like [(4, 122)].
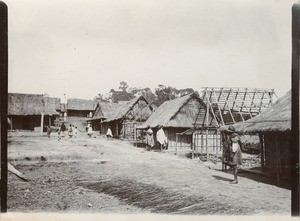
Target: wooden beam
[(3, 103)]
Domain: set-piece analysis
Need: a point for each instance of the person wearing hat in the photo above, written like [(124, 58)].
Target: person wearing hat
[(235, 148), (149, 138)]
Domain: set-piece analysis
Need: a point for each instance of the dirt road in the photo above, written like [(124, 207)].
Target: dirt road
[(95, 175)]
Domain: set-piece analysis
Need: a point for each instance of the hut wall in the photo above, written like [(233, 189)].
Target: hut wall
[(278, 159), (207, 141), (129, 130), (171, 135), (79, 113), (28, 122), (96, 125), (116, 127)]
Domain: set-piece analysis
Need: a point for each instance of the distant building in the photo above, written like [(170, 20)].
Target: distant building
[(80, 107), (25, 110)]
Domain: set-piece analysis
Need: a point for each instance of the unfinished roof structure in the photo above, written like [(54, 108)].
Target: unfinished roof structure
[(277, 118), (231, 105)]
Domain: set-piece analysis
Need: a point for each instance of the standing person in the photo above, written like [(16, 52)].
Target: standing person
[(48, 131), (90, 131), (75, 132), (161, 138), (63, 129), (149, 138), (235, 152), (70, 131), (109, 133)]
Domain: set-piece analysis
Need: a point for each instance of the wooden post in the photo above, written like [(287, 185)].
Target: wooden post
[(262, 154), (217, 146), (294, 147), (42, 122), (176, 144), (3, 103), (117, 128), (277, 160), (11, 123), (206, 143)]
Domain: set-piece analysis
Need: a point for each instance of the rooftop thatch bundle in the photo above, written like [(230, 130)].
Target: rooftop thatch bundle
[(31, 104), (275, 118), (115, 111), (81, 104), (167, 114)]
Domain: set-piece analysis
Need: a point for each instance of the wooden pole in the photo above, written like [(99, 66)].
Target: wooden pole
[(277, 160), (206, 143), (3, 103), (42, 122), (176, 144), (262, 154), (294, 146)]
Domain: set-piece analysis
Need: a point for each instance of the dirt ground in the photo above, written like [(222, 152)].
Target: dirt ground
[(112, 176)]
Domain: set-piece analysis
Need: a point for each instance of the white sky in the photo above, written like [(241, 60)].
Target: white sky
[(86, 47)]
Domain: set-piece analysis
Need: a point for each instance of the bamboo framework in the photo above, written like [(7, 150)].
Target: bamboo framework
[(231, 105)]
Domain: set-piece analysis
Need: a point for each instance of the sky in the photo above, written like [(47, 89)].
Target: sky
[(85, 47)]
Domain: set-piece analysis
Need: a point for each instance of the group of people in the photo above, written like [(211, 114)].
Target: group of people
[(160, 137), (72, 131)]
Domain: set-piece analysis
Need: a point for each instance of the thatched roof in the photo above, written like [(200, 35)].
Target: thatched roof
[(53, 102), (31, 104), (98, 113), (275, 118), (115, 111), (81, 104), (165, 114)]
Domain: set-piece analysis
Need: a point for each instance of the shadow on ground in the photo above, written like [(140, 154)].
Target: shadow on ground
[(160, 200)]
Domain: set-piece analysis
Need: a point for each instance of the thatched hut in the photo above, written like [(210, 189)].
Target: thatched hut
[(274, 129), (80, 107), (122, 117), (25, 110), (177, 117)]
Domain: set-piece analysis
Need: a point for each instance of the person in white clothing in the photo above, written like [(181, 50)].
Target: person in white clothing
[(161, 138), (109, 133)]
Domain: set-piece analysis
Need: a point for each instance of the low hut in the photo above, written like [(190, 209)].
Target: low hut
[(274, 129), (80, 107), (122, 117), (25, 111), (178, 118)]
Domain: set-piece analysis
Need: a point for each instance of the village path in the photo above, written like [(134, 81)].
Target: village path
[(97, 175)]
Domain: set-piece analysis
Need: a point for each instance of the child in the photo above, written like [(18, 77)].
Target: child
[(70, 131), (90, 131), (75, 132)]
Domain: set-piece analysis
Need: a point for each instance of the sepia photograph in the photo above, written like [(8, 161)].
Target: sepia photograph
[(149, 109)]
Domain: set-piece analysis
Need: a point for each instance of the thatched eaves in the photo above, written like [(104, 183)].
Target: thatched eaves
[(81, 104), (277, 118), (166, 113), (31, 104), (118, 111)]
